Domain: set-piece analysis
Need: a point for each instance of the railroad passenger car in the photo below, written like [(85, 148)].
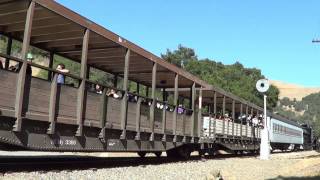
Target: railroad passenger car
[(284, 133)]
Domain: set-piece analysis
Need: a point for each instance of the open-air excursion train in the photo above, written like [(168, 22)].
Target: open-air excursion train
[(44, 114)]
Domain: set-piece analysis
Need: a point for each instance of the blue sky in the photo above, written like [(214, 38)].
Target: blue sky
[(274, 36)]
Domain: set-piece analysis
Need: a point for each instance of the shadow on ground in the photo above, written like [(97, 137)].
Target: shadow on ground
[(297, 178)]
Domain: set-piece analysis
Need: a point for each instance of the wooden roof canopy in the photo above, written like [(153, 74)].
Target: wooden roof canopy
[(60, 30)]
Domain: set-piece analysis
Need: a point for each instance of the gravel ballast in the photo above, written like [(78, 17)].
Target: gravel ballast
[(295, 164)]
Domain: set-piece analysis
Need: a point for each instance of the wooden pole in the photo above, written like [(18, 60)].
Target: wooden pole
[(82, 86), (215, 112), (175, 103), (124, 104), (52, 105), (22, 73), (233, 115), (153, 97), (200, 113), (193, 117), (223, 113), (241, 121)]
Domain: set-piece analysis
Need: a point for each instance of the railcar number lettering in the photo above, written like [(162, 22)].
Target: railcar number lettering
[(66, 142)]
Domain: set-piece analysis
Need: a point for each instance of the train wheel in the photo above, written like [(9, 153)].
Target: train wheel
[(158, 154), (142, 154), (184, 153), (201, 153), (211, 152), (172, 153)]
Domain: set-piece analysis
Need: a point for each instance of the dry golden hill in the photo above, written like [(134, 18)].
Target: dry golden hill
[(293, 90)]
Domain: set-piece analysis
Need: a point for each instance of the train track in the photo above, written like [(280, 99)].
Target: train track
[(59, 163)]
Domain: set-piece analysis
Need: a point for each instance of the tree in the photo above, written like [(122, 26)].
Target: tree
[(285, 101), (180, 57), (234, 78)]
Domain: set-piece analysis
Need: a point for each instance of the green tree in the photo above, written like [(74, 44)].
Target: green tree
[(180, 57), (234, 78)]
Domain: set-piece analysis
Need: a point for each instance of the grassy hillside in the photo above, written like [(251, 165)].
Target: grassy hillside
[(293, 91), (305, 111)]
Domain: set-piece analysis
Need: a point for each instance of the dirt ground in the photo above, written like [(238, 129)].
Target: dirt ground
[(293, 165), (281, 166)]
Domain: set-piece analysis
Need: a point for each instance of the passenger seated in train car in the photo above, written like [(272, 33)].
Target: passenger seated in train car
[(227, 118), (98, 89), (61, 77), (132, 97), (159, 105), (255, 121), (180, 109), (112, 93), (247, 120), (168, 108), (242, 119)]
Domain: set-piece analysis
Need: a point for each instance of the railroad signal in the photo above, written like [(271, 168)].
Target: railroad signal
[(263, 86)]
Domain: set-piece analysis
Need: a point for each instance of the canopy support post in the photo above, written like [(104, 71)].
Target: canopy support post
[(124, 103), (153, 105), (193, 117), (82, 87), (20, 93), (175, 103)]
